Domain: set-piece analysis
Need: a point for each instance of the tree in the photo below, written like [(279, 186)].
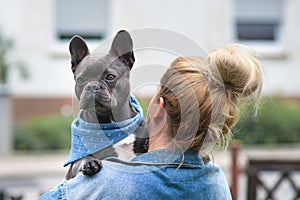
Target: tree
[(5, 101), (6, 46)]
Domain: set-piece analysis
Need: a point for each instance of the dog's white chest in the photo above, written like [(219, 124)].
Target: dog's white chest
[(124, 148)]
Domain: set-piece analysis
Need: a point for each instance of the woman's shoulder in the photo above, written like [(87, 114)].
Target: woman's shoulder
[(130, 180), (117, 179), (116, 165)]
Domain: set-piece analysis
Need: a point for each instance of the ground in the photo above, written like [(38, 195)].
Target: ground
[(32, 174)]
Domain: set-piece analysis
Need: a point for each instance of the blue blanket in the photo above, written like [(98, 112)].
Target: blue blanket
[(89, 138)]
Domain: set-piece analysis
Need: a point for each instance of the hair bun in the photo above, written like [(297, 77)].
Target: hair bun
[(238, 69)]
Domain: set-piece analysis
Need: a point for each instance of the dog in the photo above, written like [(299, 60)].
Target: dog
[(103, 90)]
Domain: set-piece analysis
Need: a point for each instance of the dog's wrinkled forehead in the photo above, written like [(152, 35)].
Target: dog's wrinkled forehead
[(95, 65)]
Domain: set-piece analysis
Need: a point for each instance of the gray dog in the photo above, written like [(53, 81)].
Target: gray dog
[(103, 90)]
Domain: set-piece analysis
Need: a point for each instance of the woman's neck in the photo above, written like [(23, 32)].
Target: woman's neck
[(159, 141)]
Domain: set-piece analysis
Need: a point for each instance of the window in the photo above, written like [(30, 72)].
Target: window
[(258, 20), (86, 18)]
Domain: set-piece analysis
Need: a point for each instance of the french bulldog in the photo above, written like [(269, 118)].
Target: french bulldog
[(103, 90)]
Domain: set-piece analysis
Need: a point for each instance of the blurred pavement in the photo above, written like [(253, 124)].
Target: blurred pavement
[(32, 174)]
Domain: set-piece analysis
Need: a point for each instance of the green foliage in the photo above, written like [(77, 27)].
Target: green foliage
[(278, 122), (6, 46), (44, 133), (144, 104), (49, 132)]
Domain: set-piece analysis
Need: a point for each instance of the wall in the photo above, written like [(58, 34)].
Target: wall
[(31, 24)]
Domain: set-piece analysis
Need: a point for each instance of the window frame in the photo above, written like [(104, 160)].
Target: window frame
[(59, 47), (266, 48)]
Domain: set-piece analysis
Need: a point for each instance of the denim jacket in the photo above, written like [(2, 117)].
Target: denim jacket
[(161, 174)]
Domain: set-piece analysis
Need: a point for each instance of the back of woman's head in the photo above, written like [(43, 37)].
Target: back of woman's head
[(201, 95)]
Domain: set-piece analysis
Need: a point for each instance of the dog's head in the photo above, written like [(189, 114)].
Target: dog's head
[(102, 82)]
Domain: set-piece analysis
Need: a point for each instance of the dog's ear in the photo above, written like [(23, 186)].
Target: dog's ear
[(78, 50), (122, 47)]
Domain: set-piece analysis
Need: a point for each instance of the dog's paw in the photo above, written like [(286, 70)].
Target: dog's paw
[(91, 167)]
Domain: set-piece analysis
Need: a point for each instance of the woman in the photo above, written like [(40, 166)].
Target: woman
[(192, 111)]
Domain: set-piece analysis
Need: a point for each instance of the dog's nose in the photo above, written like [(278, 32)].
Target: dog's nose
[(93, 87)]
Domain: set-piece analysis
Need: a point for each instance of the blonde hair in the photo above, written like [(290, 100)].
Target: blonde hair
[(201, 95)]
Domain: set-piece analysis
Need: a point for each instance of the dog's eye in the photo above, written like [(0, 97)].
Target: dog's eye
[(110, 77), (80, 81)]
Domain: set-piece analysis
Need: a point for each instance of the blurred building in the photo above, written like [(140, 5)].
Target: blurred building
[(41, 31)]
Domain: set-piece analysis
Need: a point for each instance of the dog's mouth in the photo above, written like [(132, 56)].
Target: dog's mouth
[(104, 101), (97, 101)]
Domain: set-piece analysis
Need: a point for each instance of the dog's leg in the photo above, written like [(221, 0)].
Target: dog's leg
[(87, 165), (141, 143)]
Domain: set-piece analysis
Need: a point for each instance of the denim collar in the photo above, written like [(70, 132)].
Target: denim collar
[(170, 156), (89, 138)]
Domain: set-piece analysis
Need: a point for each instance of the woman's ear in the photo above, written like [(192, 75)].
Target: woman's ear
[(157, 117), (160, 113), (161, 102)]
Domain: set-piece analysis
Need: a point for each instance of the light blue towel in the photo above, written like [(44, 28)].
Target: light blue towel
[(89, 138)]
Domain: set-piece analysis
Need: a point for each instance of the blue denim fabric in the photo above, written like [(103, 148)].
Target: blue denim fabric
[(162, 174), (89, 138)]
